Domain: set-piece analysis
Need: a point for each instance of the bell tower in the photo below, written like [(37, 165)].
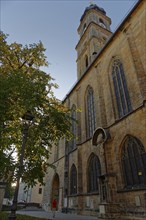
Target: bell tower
[(94, 31)]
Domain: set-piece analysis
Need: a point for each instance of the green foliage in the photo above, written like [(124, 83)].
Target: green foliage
[(24, 86), (4, 216)]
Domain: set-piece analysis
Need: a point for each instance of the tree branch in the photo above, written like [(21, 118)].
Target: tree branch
[(10, 62)]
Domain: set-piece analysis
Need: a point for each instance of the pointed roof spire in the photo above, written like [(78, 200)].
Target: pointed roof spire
[(93, 6)]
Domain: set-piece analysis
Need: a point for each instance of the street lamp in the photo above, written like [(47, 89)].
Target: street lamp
[(27, 120)]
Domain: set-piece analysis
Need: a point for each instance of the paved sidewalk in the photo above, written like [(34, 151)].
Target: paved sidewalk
[(59, 215), (40, 213)]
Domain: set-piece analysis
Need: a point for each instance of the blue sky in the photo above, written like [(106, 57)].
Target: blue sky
[(55, 23)]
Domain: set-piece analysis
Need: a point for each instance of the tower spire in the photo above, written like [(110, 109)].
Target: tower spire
[(95, 27)]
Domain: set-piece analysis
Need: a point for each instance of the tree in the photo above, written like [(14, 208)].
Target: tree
[(24, 86)]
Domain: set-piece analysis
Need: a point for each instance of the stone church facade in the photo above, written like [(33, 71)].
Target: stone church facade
[(102, 171)]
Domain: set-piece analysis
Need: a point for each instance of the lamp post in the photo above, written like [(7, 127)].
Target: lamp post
[(27, 119), (2, 192)]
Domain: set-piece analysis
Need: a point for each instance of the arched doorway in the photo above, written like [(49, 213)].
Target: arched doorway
[(55, 188)]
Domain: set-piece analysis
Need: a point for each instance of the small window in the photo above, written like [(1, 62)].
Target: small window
[(101, 23), (94, 53), (86, 61), (56, 153), (104, 39), (84, 27), (40, 190)]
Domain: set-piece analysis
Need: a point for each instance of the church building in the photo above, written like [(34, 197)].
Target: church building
[(102, 171)]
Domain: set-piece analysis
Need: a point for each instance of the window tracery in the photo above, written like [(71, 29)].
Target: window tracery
[(91, 119), (73, 180), (134, 163), (74, 125), (120, 89), (94, 171)]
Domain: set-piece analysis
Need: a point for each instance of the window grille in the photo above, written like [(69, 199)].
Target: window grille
[(73, 180), (91, 119), (134, 163), (120, 88), (94, 171), (74, 126)]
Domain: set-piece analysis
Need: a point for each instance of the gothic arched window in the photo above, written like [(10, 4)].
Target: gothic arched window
[(134, 163), (91, 119), (74, 125), (73, 180), (94, 171), (120, 88)]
